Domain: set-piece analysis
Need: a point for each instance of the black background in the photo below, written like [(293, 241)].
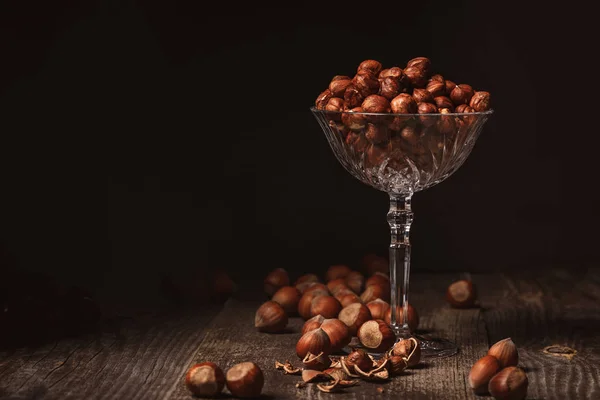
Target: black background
[(161, 137)]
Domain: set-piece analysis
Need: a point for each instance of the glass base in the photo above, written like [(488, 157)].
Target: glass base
[(436, 347)]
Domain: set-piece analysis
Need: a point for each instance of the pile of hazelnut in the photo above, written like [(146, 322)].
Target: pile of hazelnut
[(497, 373), (411, 90)]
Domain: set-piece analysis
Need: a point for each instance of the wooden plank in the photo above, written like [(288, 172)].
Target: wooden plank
[(539, 310), (231, 339), (141, 361)]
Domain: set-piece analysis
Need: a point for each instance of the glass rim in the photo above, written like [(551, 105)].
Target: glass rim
[(488, 112)]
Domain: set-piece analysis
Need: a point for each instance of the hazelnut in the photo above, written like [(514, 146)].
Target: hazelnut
[(376, 104), (427, 108), (315, 341), (436, 88), (422, 96), (389, 87), (327, 306), (437, 77), (375, 156), (338, 86), (480, 101), (354, 315), (288, 298), (446, 124), (323, 98), (354, 119), (450, 86), (270, 317), (462, 94), (334, 107), (396, 364), (461, 294), (416, 76), (420, 62), (378, 308), (482, 371), (409, 349), (339, 335), (337, 271), (394, 72), (245, 380), (378, 278), (302, 282), (336, 285), (275, 280), (352, 97), (316, 362), (366, 82), (205, 380), (377, 134), (370, 65), (443, 102), (349, 298), (374, 292), (376, 335), (413, 317), (509, 384), (341, 129), (305, 303), (313, 323), (358, 142), (355, 281), (505, 352), (374, 263), (464, 109), (316, 287), (359, 358), (403, 104)]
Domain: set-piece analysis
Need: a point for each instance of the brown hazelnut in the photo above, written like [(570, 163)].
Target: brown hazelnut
[(420, 62), (378, 278), (396, 365), (413, 317), (482, 371), (509, 384), (354, 119), (446, 124), (416, 76), (339, 335), (436, 88), (336, 285), (394, 72), (302, 282), (205, 380), (377, 134), (443, 102), (276, 279), (437, 77), (341, 129), (375, 156), (480, 101), (315, 341), (337, 271), (374, 292), (355, 281), (353, 97), (316, 362), (327, 306), (305, 303), (316, 287), (462, 94), (245, 380), (422, 96), (358, 142), (270, 317), (427, 108), (376, 335), (322, 99), (359, 358), (313, 323), (403, 104), (463, 109), (389, 87), (409, 349), (366, 82), (370, 65), (354, 315), (376, 104), (349, 298), (505, 352), (461, 294), (287, 297), (450, 86), (378, 308), (334, 107), (338, 85)]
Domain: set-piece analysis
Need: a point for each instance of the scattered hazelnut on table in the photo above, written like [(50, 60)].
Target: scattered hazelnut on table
[(505, 352), (270, 317), (305, 303), (315, 342), (481, 373), (376, 335), (312, 323), (245, 380), (354, 316), (461, 294), (276, 279), (205, 379), (327, 306), (288, 297), (509, 384), (378, 308), (338, 332)]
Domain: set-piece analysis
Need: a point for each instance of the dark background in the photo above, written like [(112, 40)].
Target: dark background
[(144, 139)]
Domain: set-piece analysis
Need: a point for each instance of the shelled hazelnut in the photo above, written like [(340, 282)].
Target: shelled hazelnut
[(339, 84)]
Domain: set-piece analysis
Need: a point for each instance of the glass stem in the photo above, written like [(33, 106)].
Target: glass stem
[(400, 218)]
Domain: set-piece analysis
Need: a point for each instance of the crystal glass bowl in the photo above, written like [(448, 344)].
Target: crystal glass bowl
[(401, 154)]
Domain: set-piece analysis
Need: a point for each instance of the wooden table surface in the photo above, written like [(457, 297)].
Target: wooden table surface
[(148, 358)]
